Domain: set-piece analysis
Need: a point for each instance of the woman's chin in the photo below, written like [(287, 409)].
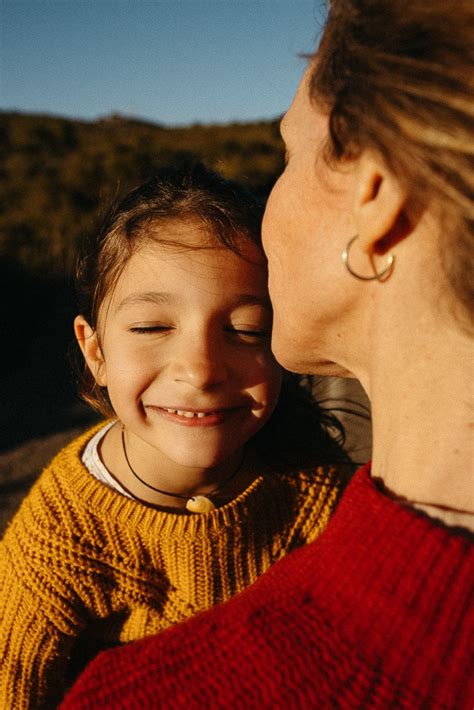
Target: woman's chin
[(309, 364)]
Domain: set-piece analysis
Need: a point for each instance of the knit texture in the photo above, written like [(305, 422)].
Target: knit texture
[(83, 568), (377, 613)]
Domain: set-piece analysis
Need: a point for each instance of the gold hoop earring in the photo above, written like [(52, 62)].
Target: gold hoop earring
[(376, 277)]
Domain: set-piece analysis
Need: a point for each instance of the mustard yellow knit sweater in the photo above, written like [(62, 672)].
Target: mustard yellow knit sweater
[(83, 568)]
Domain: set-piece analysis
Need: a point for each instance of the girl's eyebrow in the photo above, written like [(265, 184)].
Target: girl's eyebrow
[(158, 297), (164, 298)]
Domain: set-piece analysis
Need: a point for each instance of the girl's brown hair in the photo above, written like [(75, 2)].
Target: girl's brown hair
[(397, 77)]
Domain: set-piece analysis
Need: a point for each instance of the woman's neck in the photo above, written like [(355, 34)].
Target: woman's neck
[(421, 395)]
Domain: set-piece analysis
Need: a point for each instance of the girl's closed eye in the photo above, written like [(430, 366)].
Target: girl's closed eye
[(249, 333), (155, 328)]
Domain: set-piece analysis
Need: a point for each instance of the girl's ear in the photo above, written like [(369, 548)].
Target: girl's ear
[(89, 344), (379, 207)]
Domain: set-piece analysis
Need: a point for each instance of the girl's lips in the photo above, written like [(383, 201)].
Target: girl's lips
[(194, 418)]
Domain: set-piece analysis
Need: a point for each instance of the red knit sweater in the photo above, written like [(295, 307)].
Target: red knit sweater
[(377, 613)]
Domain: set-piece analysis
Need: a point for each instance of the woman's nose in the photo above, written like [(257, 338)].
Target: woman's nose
[(201, 364)]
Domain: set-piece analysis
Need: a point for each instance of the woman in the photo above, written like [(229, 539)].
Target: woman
[(369, 238)]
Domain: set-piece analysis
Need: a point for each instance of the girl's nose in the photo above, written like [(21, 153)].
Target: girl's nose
[(201, 365)]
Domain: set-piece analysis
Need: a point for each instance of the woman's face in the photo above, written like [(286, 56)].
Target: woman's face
[(308, 221)]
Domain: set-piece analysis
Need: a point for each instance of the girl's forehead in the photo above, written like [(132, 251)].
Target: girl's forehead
[(188, 230), (166, 266), (192, 234)]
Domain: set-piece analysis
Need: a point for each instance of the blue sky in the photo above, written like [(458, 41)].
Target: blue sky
[(175, 62)]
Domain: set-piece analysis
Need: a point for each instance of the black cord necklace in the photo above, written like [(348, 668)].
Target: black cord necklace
[(195, 504)]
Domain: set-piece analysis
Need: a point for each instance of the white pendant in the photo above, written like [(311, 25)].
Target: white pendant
[(199, 504)]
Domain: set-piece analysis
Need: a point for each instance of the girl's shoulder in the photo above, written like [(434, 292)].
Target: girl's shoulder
[(336, 476), (56, 494), (307, 491), (305, 499)]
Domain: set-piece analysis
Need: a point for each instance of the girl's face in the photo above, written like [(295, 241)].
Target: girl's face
[(185, 348), (308, 221)]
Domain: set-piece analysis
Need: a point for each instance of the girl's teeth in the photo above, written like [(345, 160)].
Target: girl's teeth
[(189, 415)]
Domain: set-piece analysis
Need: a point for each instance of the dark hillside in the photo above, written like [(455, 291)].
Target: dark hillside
[(55, 174)]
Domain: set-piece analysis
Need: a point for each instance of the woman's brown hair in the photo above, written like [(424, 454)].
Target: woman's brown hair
[(397, 77)]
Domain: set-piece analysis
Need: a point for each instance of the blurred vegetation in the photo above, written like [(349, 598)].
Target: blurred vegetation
[(56, 175)]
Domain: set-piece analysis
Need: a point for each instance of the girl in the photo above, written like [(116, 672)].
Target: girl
[(194, 487)]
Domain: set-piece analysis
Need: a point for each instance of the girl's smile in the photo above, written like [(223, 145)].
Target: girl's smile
[(197, 417), (183, 348)]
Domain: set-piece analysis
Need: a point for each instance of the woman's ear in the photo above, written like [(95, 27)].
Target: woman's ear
[(89, 343), (379, 208)]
